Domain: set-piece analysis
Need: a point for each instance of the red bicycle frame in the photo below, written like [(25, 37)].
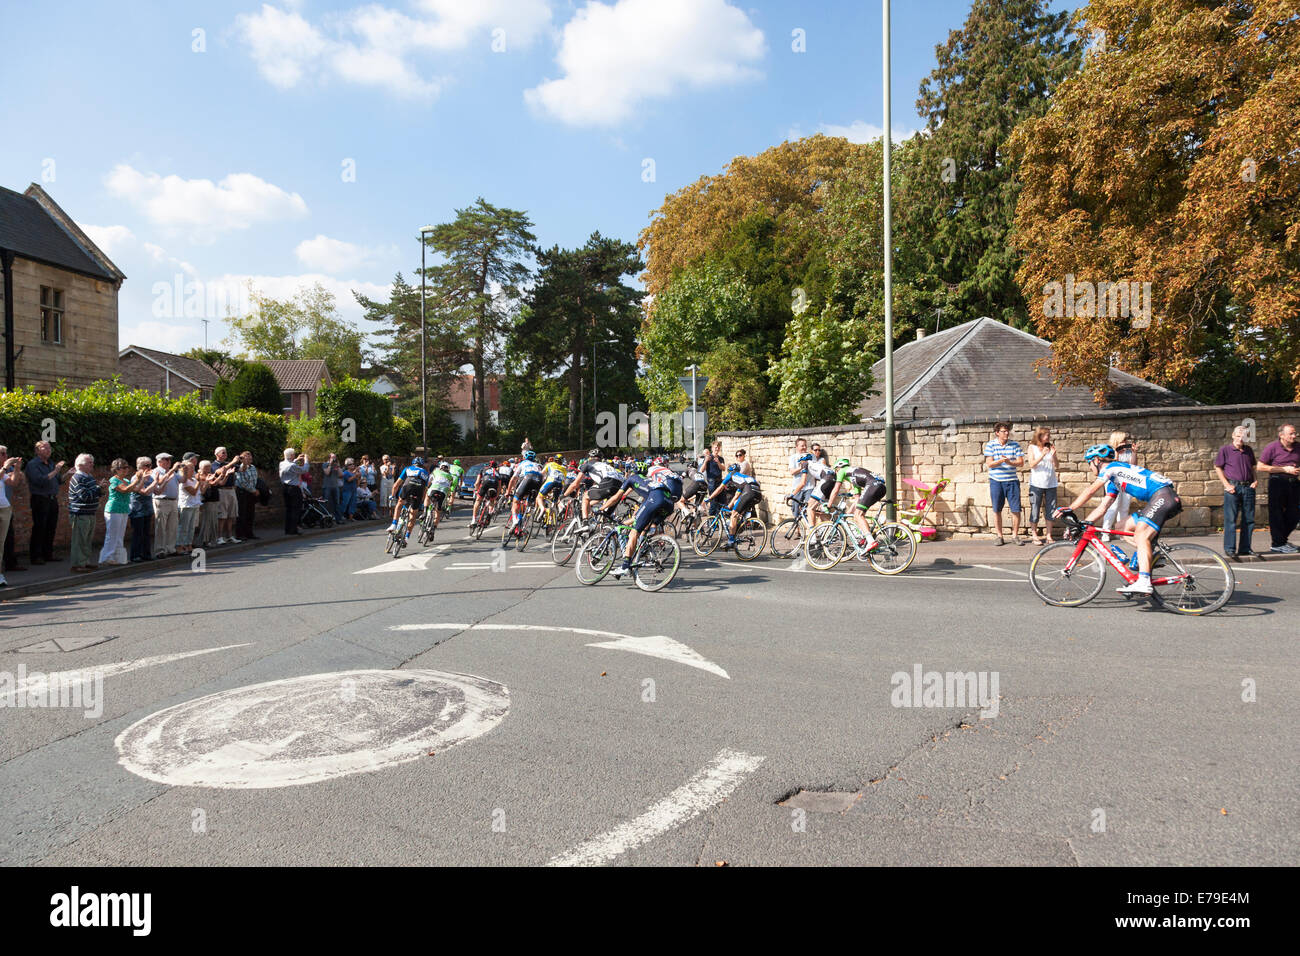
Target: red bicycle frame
[(1089, 539)]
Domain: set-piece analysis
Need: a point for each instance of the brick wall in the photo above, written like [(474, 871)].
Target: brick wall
[(139, 372), (1179, 442)]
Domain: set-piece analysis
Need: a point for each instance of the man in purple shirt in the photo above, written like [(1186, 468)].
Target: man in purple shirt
[(1281, 462), (1235, 466)]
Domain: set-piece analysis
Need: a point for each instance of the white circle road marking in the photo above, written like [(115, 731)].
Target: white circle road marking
[(307, 729)]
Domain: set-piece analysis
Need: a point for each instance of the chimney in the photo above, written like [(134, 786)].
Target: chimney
[(920, 334)]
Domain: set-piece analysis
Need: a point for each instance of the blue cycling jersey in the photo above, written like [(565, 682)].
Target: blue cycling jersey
[(1139, 483), (637, 484), (741, 479), (413, 475), (527, 468)]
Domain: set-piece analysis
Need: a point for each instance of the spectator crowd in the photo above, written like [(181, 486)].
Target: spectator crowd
[(169, 506)]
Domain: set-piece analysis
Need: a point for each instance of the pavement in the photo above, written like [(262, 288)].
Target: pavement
[(322, 703)]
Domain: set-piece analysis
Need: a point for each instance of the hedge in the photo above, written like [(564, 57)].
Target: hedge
[(378, 432), (110, 420)]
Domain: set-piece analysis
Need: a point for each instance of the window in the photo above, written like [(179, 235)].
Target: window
[(51, 315), (287, 401)]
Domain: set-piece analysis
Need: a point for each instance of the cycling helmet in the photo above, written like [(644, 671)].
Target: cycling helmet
[(806, 458), (1104, 452), (733, 468), (556, 457), (492, 463), (445, 467), (573, 465), (530, 455), (417, 461), (594, 454), (843, 463), (456, 462), (661, 460)]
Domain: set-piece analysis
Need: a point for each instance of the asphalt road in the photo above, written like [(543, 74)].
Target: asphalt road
[(746, 714)]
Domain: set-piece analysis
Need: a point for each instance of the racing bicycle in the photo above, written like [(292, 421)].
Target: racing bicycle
[(889, 549), (654, 563)]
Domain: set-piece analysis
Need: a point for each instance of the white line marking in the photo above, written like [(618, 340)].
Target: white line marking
[(659, 646), (90, 672), (466, 567), (535, 564), (905, 576), (989, 567), (1247, 569), (702, 792)]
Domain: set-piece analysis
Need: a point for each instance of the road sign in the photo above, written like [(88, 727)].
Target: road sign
[(700, 382)]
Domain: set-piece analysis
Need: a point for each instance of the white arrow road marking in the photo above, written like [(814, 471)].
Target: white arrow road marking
[(658, 646), (665, 648), (412, 562), (41, 682), (304, 730), (466, 567), (702, 792)]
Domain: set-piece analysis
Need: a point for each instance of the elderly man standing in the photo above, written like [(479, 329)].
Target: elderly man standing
[(245, 496), (166, 491), (43, 479), (1280, 460), (224, 471), (291, 472), (1235, 466), (83, 505)]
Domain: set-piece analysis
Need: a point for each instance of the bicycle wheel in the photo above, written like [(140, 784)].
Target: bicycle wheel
[(399, 540), (656, 563), (596, 558), (566, 542), (526, 530), (787, 538), (751, 535), (707, 537), (824, 546), (1053, 580), (1206, 584), (895, 548)]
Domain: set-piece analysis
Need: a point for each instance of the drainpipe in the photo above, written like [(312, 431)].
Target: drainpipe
[(7, 261)]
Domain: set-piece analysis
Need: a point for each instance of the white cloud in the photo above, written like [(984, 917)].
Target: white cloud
[(332, 256), (374, 45), (860, 131), (285, 287), (165, 336), (238, 201), (615, 57), (112, 240)]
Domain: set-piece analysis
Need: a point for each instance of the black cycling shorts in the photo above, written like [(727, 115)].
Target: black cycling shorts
[(526, 490), (606, 489), (437, 497), (691, 488), (411, 492), (1164, 504), (746, 500), (871, 494), (488, 491)]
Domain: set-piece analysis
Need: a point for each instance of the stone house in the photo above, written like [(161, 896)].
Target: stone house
[(60, 294)]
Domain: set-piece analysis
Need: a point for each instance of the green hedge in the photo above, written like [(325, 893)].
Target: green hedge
[(110, 420), (378, 432)]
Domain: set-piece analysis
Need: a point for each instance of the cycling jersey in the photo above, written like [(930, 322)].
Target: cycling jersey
[(1139, 483), (599, 471), (457, 473), (413, 477), (553, 470), (741, 480), (529, 469), (439, 481), (636, 484), (666, 479)]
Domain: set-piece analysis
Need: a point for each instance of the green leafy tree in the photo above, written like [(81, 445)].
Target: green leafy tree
[(581, 300), (476, 287), (254, 387), (735, 397), (823, 372), (307, 326), (226, 366)]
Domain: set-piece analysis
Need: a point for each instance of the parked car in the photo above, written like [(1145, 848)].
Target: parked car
[(466, 489)]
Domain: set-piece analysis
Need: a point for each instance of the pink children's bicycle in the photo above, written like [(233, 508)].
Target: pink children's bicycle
[(918, 517)]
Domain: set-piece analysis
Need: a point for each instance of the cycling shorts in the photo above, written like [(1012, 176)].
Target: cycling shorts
[(871, 494), (412, 492), (606, 489), (1164, 504), (657, 507), (691, 489), (823, 491), (527, 489), (437, 497), (746, 500)]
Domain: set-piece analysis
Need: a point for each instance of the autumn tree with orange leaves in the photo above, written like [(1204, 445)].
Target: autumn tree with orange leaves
[(1171, 158)]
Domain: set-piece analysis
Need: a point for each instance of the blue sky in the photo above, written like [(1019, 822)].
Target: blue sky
[(232, 160)]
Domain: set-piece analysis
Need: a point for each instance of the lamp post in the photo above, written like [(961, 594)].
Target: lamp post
[(695, 412), (424, 394), (890, 488), (594, 398)]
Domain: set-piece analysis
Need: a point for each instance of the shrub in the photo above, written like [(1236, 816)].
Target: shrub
[(255, 387), (377, 431), (108, 420)]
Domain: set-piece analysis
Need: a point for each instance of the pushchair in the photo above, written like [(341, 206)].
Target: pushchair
[(315, 514)]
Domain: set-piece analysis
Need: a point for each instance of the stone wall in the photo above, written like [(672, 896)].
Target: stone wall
[(89, 348), (1179, 442)]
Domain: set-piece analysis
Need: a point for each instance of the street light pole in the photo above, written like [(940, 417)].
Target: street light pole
[(594, 399), (424, 365), (695, 414), (890, 486)]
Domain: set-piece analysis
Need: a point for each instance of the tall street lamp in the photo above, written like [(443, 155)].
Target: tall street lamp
[(424, 394), (594, 398), (890, 487)]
